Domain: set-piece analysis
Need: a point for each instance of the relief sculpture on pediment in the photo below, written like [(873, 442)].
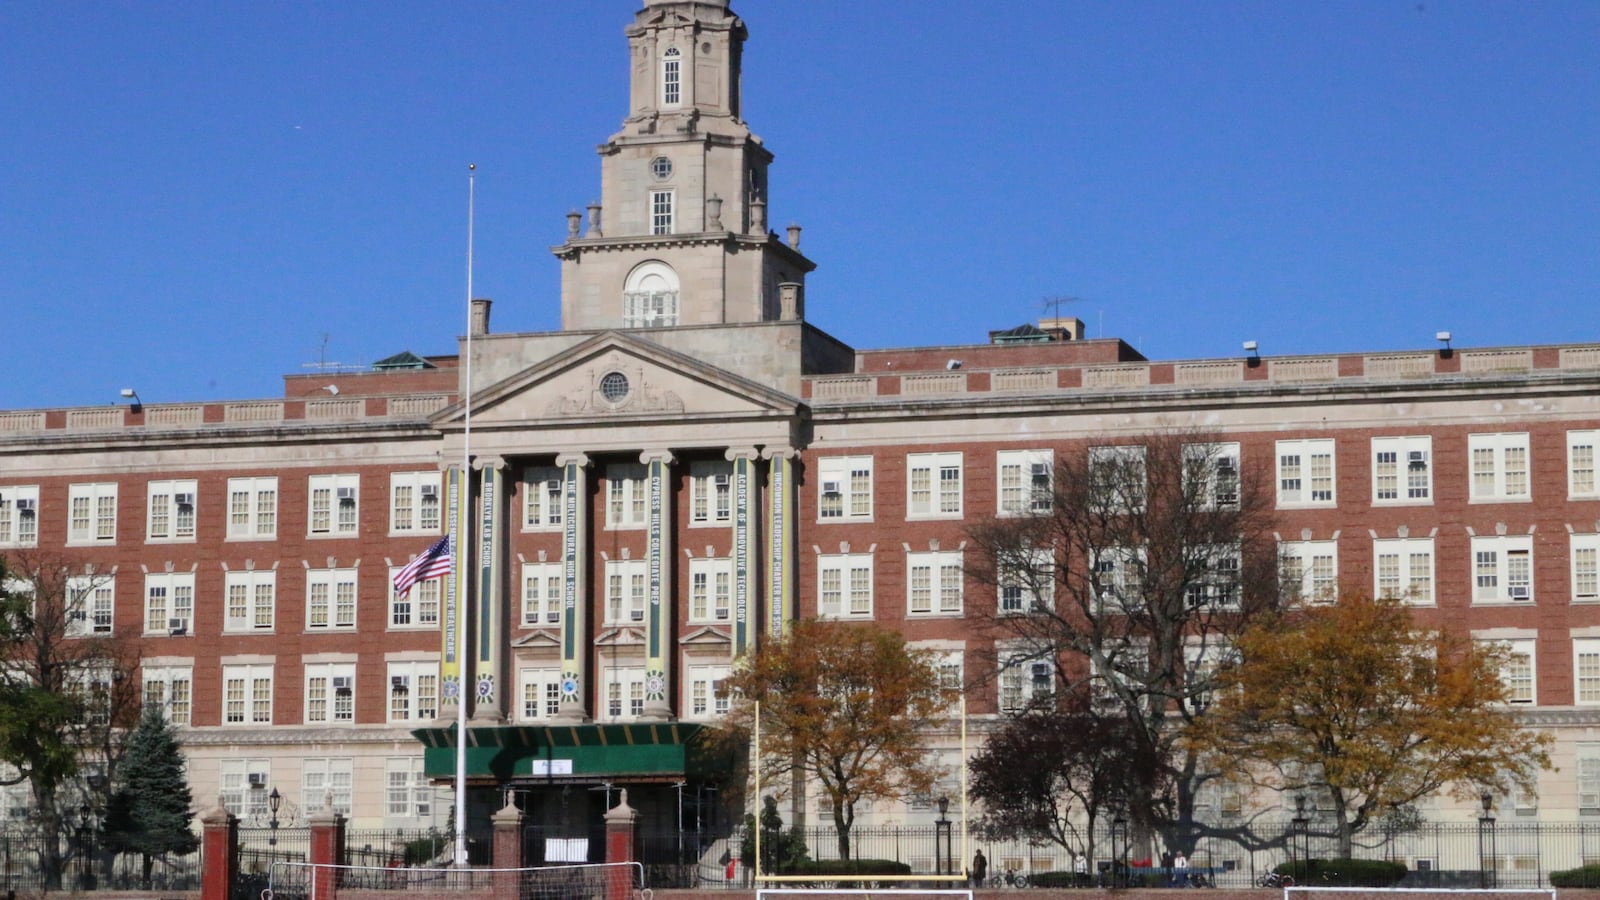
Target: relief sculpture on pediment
[(615, 389)]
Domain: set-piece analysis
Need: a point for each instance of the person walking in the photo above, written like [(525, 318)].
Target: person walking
[(1180, 870), (980, 870)]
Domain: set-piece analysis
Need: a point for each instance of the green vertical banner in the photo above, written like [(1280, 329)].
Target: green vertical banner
[(573, 518), (742, 486), (655, 668), (491, 487), (780, 545), (454, 591)]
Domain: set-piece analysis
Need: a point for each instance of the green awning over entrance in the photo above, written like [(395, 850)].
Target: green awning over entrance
[(564, 753)]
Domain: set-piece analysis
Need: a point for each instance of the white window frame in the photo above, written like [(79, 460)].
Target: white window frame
[(253, 508), (662, 211), (1311, 568), (408, 795), (1499, 467), (91, 605), (252, 705), (1520, 673), (1023, 679), (1037, 593), (850, 577), (1301, 481), (92, 513), (329, 696), (935, 583), (240, 791), (258, 590), (333, 506), (1122, 459), (1583, 456), (168, 596), (335, 608), (416, 503), (1115, 575), (626, 587), (542, 489), (711, 589), (704, 694), (169, 520), (1587, 774), (418, 610), (1217, 591), (1406, 552), (627, 495), (171, 689), (541, 594), (844, 489), (19, 515), (1586, 671), (538, 693), (710, 492), (1502, 569), (1215, 468), (415, 697), (933, 485), (622, 693), (1025, 482), (650, 296), (672, 65), (322, 776), (1584, 556), (1402, 471)]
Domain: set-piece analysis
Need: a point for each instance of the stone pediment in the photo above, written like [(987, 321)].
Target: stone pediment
[(617, 378)]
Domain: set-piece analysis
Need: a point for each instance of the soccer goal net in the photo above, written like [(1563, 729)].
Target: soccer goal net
[(585, 881), (1307, 892), (842, 893)]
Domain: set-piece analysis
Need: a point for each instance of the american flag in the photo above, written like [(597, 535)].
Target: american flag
[(434, 562)]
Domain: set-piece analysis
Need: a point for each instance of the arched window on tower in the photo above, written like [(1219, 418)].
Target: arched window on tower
[(671, 77), (650, 296)]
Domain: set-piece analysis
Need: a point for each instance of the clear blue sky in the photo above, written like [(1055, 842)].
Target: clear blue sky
[(193, 194)]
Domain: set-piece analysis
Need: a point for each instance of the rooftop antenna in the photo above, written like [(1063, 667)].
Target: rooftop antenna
[(322, 364), (1053, 304)]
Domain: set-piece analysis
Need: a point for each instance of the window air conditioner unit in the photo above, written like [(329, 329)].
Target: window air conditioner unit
[(342, 683), (26, 505), (183, 499), (721, 481), (399, 683), (1226, 465), (430, 490), (1040, 470), (1417, 459), (79, 615), (1519, 592), (636, 615), (832, 487), (347, 495), (258, 780), (177, 625)]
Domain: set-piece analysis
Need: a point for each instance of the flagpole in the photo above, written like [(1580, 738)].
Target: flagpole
[(463, 529)]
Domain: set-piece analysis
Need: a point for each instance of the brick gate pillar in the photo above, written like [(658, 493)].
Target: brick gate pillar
[(619, 849), (219, 851), (327, 850), (507, 849)]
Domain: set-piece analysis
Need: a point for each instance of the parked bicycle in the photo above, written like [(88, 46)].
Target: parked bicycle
[(1274, 880)]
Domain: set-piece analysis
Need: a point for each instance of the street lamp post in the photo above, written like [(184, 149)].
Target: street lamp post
[(274, 801), (1300, 863), (1486, 848), (941, 840), (83, 846), (1119, 851)]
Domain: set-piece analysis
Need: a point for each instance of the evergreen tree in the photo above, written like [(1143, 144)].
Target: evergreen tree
[(151, 812)]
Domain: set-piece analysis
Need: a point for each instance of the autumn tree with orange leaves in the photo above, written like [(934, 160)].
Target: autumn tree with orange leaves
[(1356, 703), (844, 705)]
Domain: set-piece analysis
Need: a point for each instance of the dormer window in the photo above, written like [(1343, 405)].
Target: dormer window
[(671, 77)]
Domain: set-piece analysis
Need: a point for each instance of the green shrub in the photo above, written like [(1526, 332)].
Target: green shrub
[(1344, 872), (1582, 877), (1061, 879)]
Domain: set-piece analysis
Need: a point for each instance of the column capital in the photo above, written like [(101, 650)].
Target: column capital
[(576, 457), (488, 462), (659, 455), (778, 451), (733, 453)]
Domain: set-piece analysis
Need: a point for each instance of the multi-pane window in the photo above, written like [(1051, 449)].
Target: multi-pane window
[(1588, 778), (1499, 466), (934, 582), (1502, 569), (1025, 481), (19, 515), (541, 693), (91, 604), (710, 492), (844, 586), (541, 594), (1403, 569), (625, 495), (1213, 575), (321, 778), (1027, 584), (414, 503), (625, 590), (250, 599), (541, 498), (624, 691), (1586, 670), (1309, 570), (92, 513), (1580, 464), (1213, 471), (247, 695), (1305, 472), (1024, 682), (330, 693), (844, 489), (171, 506), (252, 508), (413, 691), (168, 602), (169, 689), (1117, 478), (661, 212), (706, 694), (671, 77), (244, 786), (1518, 672), (335, 504), (1585, 568), (407, 793), (330, 599), (710, 589), (933, 486), (1116, 576), (1402, 470), (419, 608)]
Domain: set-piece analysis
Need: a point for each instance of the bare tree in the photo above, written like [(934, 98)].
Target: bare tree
[(1121, 575)]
